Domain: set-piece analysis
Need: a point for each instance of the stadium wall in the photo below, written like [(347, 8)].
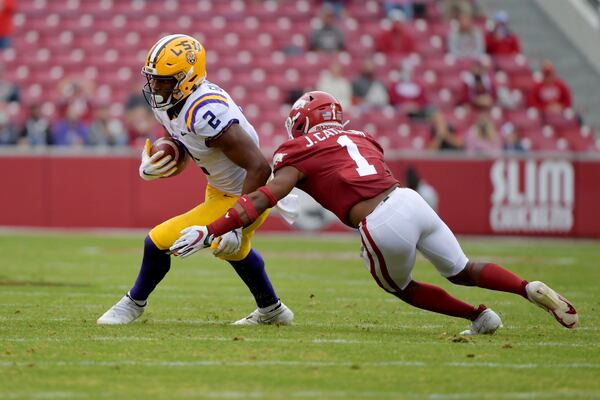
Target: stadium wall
[(555, 195)]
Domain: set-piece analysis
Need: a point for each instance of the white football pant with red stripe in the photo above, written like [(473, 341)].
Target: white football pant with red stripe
[(399, 226)]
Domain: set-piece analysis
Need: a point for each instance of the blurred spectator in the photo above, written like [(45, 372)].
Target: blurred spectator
[(338, 6), (333, 81), (367, 89), (139, 120), (404, 6), (7, 10), (427, 192), (71, 131), (105, 130), (479, 90), (501, 40), (36, 130), (141, 124), (136, 98), (512, 138), (294, 94), (443, 135), (551, 94), (8, 132), (397, 39), (76, 93), (465, 40), (453, 9), (327, 37), (482, 136), (408, 95), (9, 92)]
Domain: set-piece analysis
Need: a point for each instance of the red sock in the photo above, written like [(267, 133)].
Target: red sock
[(433, 298), (494, 277)]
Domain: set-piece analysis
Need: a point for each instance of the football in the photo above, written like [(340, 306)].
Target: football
[(173, 148)]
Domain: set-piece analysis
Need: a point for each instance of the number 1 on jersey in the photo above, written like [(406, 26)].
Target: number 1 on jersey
[(364, 168)]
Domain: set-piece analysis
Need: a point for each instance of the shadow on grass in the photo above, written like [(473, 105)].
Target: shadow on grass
[(13, 282)]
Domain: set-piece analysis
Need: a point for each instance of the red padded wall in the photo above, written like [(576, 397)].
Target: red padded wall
[(96, 191)]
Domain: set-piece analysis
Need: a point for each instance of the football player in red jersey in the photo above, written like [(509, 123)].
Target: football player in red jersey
[(345, 171)]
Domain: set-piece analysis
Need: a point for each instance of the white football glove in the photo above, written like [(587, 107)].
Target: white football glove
[(155, 166), (192, 239), (229, 243)]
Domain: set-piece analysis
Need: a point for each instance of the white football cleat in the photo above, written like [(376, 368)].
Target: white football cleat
[(486, 323), (280, 315), (124, 312), (543, 296)]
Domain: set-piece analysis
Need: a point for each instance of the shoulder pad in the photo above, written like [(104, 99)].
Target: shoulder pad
[(202, 116)]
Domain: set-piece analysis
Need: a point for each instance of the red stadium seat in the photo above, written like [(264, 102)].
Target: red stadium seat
[(513, 64), (567, 120), (524, 119), (246, 41), (524, 83), (582, 139)]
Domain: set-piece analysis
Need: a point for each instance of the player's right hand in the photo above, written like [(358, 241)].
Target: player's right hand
[(155, 166), (228, 244)]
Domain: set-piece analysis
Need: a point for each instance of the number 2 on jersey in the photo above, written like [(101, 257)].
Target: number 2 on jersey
[(364, 168)]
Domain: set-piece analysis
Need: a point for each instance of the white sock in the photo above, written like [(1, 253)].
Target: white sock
[(270, 308), (139, 303)]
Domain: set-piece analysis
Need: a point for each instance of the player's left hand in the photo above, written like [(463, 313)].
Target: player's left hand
[(192, 239), (228, 244), (155, 166)]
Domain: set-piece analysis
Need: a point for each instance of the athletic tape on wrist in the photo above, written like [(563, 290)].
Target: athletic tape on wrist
[(247, 205), (230, 221), (267, 192)]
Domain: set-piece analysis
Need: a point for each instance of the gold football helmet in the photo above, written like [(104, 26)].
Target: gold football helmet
[(175, 66)]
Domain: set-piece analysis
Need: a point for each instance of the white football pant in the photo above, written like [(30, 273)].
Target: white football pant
[(394, 231)]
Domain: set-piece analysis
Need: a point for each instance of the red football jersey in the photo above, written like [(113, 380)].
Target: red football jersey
[(341, 168)]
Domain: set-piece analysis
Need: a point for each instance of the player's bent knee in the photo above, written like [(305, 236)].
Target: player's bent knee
[(469, 276), (149, 243), (460, 279), (407, 294), (159, 239)]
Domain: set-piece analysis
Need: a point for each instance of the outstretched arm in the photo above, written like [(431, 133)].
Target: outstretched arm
[(243, 213), (250, 206)]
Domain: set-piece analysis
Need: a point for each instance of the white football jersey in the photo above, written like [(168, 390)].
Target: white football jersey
[(207, 112)]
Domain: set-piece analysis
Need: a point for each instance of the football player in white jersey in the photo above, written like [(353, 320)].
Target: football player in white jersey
[(222, 142)]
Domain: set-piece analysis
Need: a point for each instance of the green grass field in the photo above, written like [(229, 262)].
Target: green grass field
[(350, 340)]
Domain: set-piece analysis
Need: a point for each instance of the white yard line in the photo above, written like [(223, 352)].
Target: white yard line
[(295, 363), (230, 394), (317, 341), (392, 327)]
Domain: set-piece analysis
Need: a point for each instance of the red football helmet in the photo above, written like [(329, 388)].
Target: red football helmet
[(312, 110)]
